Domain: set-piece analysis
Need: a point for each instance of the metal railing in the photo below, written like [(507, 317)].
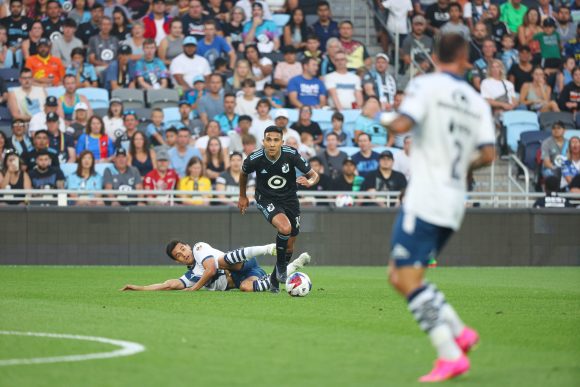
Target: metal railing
[(512, 181), (64, 198)]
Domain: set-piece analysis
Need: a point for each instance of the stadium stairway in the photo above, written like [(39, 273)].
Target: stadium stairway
[(344, 10)]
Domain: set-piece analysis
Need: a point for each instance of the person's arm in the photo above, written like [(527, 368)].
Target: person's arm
[(210, 266), (179, 79), (287, 36), (359, 98), (293, 97), (221, 187), (334, 97), (172, 284), (243, 201), (484, 158), (162, 51), (308, 180), (26, 49), (163, 83), (15, 110), (143, 84), (276, 41), (251, 35), (524, 95), (369, 89), (72, 154), (158, 137), (232, 56)]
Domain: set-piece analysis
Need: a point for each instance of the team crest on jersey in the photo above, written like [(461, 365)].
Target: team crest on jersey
[(276, 182), (198, 248), (285, 168), (270, 207)]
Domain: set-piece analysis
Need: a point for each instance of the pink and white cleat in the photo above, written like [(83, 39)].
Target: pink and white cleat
[(446, 369), (467, 340)]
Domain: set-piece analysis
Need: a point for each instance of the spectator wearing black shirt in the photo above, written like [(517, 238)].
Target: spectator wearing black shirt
[(332, 158), (348, 179), (234, 28), (193, 22), (305, 124), (44, 175), (476, 44), (521, 72), (61, 143), (324, 184), (437, 15), (91, 28), (53, 27), (384, 179), (17, 26), (569, 100), (496, 27), (552, 199), (41, 143), (324, 28)]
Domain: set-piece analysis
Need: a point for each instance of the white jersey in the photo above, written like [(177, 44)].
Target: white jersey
[(201, 252), (451, 122)]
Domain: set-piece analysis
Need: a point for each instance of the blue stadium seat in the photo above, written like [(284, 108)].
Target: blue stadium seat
[(520, 117), (70, 168), (529, 144), (569, 133), (513, 133), (280, 19), (350, 117), (55, 91), (323, 118), (171, 117), (5, 120), (349, 150), (10, 77), (98, 98)]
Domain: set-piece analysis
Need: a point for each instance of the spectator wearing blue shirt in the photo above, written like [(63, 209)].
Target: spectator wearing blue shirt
[(151, 72), (324, 28), (366, 160), (307, 89), (84, 72), (182, 152), (213, 46), (228, 120), (156, 129), (121, 72), (260, 31), (366, 123), (96, 141), (85, 178)]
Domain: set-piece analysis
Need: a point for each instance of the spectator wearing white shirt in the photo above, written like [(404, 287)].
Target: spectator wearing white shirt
[(246, 5), (261, 120), (186, 66), (498, 91), (344, 88), (398, 21), (402, 161), (247, 102), (281, 119)]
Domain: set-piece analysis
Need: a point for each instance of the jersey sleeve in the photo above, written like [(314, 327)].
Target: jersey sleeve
[(202, 252), (414, 104), (301, 163), (188, 279), (249, 165)]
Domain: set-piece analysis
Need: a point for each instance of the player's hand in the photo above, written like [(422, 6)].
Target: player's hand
[(129, 287), (243, 204), (302, 180)]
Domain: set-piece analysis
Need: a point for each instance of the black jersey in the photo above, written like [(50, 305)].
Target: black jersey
[(276, 180)]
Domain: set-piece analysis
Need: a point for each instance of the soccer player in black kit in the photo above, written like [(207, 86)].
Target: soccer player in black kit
[(276, 198)]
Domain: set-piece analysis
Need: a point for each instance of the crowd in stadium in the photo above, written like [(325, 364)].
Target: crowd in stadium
[(174, 94)]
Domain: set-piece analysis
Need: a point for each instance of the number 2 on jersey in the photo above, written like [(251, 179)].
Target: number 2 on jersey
[(458, 150)]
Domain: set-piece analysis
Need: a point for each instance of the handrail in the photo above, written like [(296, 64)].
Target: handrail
[(511, 179)]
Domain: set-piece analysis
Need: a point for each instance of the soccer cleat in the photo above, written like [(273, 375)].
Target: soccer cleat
[(272, 249), (281, 274), (446, 369), (298, 263), (467, 340)]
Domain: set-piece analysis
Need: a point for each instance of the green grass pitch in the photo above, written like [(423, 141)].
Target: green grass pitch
[(352, 330)]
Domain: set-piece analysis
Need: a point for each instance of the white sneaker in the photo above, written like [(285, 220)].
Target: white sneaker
[(272, 249), (297, 264)]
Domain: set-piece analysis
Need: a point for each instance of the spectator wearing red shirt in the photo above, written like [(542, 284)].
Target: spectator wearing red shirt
[(162, 178), (156, 19), (47, 70)]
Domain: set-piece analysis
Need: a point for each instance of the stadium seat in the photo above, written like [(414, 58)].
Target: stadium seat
[(292, 115), (513, 133), (143, 114), (55, 91), (132, 98), (529, 144), (350, 117), (569, 133), (98, 98), (520, 117), (349, 150), (162, 98), (5, 120), (323, 118), (70, 168), (100, 112), (549, 118), (10, 77), (280, 19), (171, 117)]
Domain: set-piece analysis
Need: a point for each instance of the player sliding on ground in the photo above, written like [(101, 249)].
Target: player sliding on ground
[(276, 198), (213, 269), (452, 122)]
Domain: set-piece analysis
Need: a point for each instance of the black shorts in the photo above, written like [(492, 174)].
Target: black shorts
[(271, 208)]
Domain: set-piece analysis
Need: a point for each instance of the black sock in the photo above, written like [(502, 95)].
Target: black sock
[(288, 256), (281, 248)]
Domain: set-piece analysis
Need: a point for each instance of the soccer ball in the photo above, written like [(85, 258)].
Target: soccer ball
[(298, 285), (344, 201)]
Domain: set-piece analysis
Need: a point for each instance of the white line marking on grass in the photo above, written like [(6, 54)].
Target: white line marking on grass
[(128, 348)]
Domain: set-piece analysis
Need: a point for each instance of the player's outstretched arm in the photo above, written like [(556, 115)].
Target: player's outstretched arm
[(210, 267), (243, 201), (308, 180), (172, 284), (485, 157)]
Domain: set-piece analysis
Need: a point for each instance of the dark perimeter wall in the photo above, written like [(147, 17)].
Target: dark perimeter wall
[(351, 236)]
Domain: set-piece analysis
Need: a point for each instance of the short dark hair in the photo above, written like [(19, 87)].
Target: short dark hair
[(25, 70), (323, 3), (236, 154), (525, 47), (220, 62), (69, 23), (183, 128), (332, 134), (264, 101), (315, 159), (149, 41), (78, 51), (248, 82), (450, 46), (210, 21), (307, 60), (171, 129), (364, 134), (273, 129), (552, 184), (226, 95), (455, 5), (170, 247), (345, 22), (245, 117), (337, 116)]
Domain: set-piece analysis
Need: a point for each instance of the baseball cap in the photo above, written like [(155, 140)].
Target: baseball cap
[(162, 155), (51, 101), (383, 55), (348, 160), (39, 131), (190, 40), (281, 113), (121, 152), (52, 117), (386, 153), (183, 102), (419, 19), (125, 50), (198, 78), (81, 106), (549, 22), (44, 41)]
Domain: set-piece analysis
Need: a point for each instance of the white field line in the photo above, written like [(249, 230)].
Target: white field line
[(127, 349)]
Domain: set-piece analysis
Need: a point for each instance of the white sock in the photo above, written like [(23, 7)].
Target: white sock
[(254, 251), (442, 339), (452, 319)]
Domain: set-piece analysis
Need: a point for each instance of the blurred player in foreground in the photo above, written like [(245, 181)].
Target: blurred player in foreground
[(453, 133), (213, 269)]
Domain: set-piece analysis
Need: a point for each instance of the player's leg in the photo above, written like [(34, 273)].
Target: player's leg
[(297, 264), (255, 284), (412, 243), (284, 227), (252, 278), (234, 257)]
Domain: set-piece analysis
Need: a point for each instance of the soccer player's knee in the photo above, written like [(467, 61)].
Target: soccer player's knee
[(285, 228), (247, 286)]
